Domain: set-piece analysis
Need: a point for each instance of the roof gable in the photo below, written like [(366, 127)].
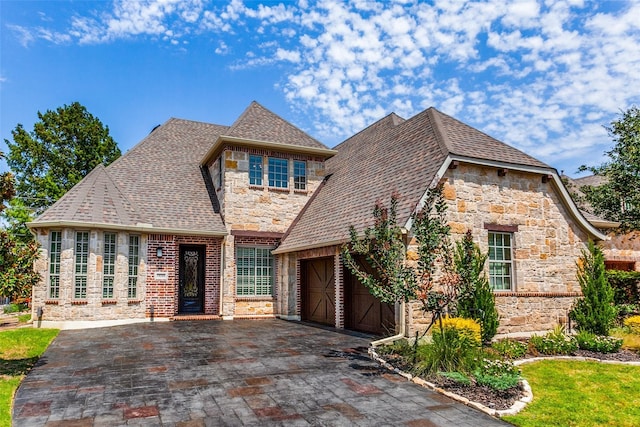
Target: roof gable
[(95, 199), (259, 124)]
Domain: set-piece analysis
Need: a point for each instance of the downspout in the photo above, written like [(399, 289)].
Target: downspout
[(399, 335), (222, 269)]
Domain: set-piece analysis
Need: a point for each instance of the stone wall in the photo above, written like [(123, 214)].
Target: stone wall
[(546, 245), (94, 306)]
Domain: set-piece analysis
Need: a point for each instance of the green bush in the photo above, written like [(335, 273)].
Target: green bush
[(15, 308), (554, 343), (594, 311), (626, 286), (497, 374), (458, 377), (511, 349), (601, 344), (451, 351)]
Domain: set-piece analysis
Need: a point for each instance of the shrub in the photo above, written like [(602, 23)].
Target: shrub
[(458, 377), (497, 374), (455, 347), (633, 323), (594, 311), (467, 330), (511, 349), (15, 308), (601, 344), (476, 300), (554, 342), (626, 286)]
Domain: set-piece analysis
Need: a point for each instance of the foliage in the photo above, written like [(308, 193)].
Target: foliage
[(553, 343), (580, 394), (509, 348), (468, 330), (15, 308), (455, 348), (627, 310), (16, 216), (24, 318), (16, 267), (7, 190), (437, 280), (619, 198), (630, 341), (626, 286), (633, 323), (476, 300), (598, 343), (458, 377), (19, 351), (594, 311), (64, 146), (497, 374), (384, 250)]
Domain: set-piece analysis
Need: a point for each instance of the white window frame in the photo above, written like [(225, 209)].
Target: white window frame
[(278, 172), (134, 260), (501, 265), (81, 264), (299, 179), (55, 250), (109, 254), (259, 278), (256, 164)]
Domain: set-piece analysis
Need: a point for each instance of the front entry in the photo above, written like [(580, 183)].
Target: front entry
[(318, 291), (191, 289)]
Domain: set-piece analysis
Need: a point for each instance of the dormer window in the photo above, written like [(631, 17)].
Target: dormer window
[(299, 175), (255, 170), (278, 172)]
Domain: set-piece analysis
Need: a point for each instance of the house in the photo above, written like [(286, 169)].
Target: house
[(202, 221), (621, 250)]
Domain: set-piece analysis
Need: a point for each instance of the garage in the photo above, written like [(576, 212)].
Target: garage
[(318, 291), (363, 311)]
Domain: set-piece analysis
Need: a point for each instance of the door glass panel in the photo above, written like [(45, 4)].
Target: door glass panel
[(190, 289)]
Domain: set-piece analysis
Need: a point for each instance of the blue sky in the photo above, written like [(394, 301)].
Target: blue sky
[(543, 76)]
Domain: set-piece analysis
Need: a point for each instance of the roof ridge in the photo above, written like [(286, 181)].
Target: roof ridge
[(438, 130), (392, 115)]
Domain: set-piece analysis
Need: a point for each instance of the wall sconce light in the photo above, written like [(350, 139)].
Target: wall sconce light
[(159, 252), (502, 172), (546, 178)]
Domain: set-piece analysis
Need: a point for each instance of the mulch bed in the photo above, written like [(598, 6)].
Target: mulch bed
[(497, 399)]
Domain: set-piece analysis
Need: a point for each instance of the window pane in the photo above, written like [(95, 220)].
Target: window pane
[(255, 170), (254, 268), (500, 263), (55, 247), (300, 175), (278, 173), (82, 256), (109, 262), (134, 259)]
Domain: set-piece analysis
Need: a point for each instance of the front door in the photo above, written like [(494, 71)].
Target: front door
[(191, 298)]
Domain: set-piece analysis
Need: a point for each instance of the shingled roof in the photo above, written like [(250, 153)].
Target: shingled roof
[(392, 155), (158, 185)]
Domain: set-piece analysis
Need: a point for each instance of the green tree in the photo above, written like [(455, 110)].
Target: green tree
[(595, 311), (477, 300), (619, 198), (16, 259), (64, 146)]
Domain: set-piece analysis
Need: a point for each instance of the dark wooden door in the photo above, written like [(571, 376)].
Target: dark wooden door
[(318, 291), (363, 311), (191, 288)]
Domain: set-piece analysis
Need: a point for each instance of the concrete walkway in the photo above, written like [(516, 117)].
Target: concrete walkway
[(215, 373)]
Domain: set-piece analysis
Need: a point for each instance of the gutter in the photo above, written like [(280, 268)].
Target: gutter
[(139, 227)]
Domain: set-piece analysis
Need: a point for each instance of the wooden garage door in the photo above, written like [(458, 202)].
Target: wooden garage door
[(318, 291), (363, 311)]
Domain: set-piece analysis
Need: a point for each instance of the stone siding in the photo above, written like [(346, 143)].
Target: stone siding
[(94, 306), (546, 245)]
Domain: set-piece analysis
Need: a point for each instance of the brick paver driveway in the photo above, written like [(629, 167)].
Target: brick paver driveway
[(210, 373)]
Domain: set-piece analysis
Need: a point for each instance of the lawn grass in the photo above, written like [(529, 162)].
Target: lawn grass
[(19, 351), (571, 393)]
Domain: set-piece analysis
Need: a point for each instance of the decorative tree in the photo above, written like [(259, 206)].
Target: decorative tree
[(477, 300), (595, 311), (619, 198), (16, 259)]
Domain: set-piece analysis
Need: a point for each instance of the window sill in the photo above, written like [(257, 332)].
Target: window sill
[(134, 301), (279, 190), (79, 302), (256, 187), (305, 192), (51, 302), (255, 298), (109, 302)]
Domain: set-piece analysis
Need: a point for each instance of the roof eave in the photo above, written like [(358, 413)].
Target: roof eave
[(139, 228), (254, 143), (335, 242)]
